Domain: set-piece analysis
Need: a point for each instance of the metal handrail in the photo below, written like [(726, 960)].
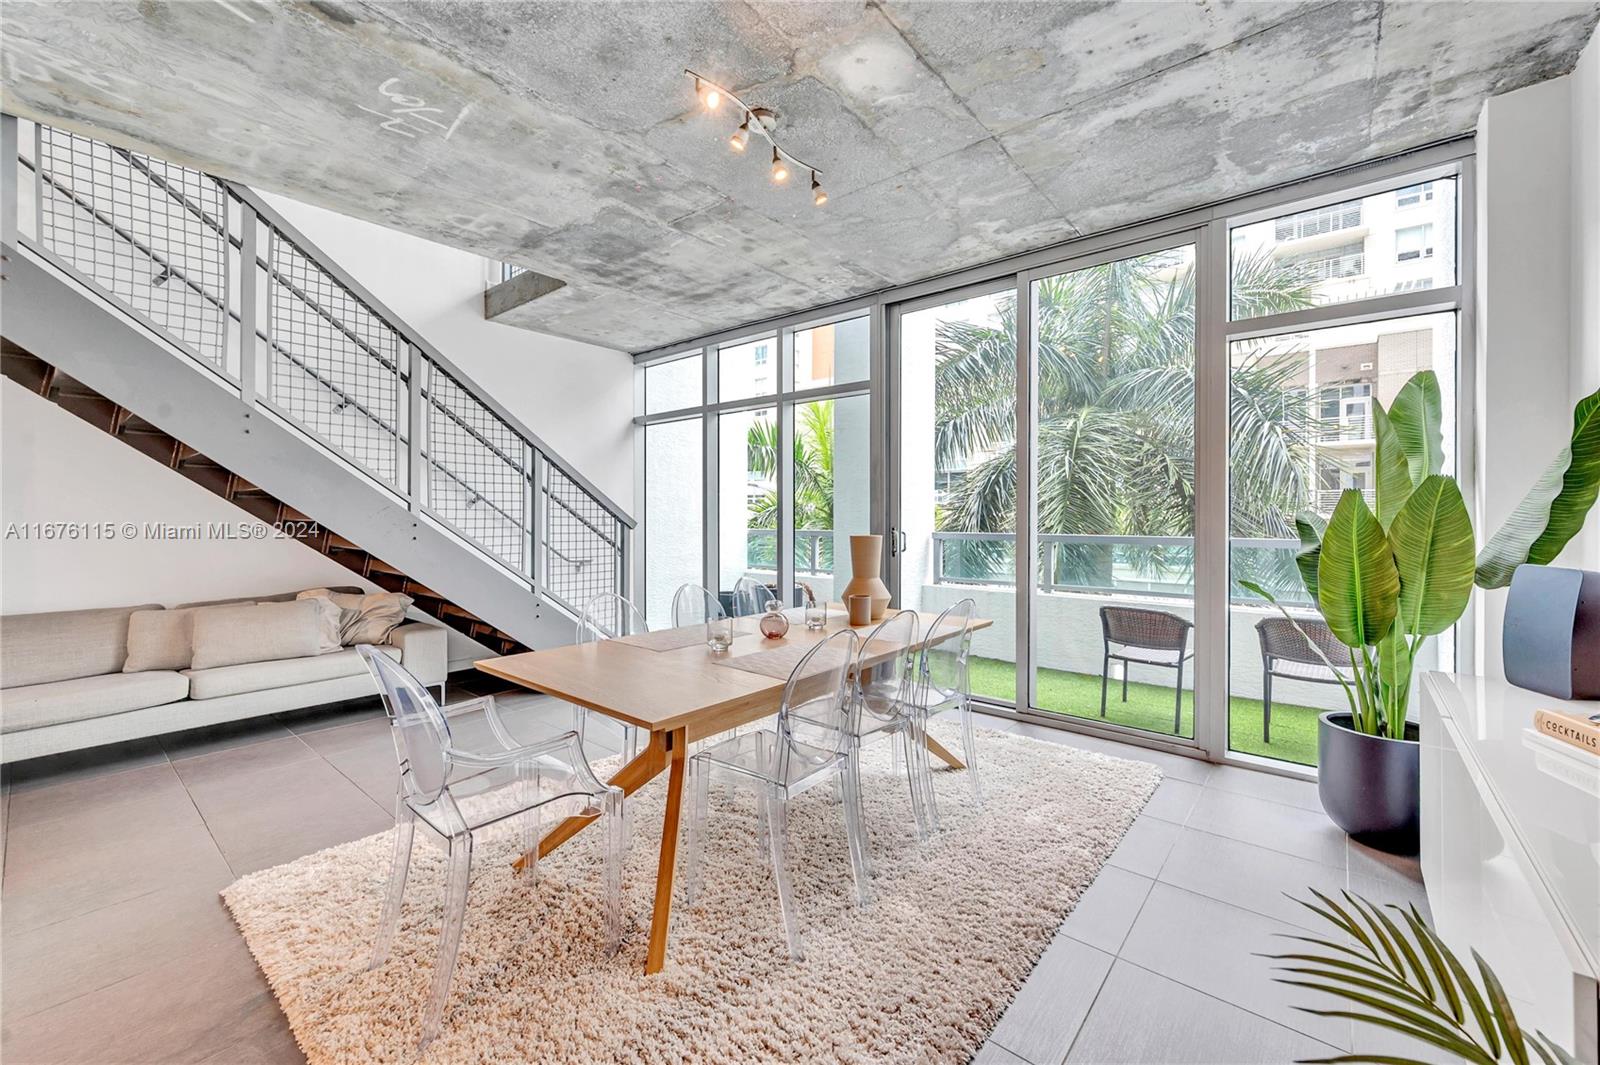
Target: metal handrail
[(540, 500)]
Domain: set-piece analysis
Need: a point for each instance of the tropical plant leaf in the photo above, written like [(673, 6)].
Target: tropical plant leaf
[(1357, 584), (1555, 507), (1431, 539), (1469, 991), (1441, 972), (1391, 469), (1417, 415), (1444, 1035), (1310, 528), (1504, 1017), (1371, 1059), (1395, 989), (1460, 1048), (1379, 936), (1400, 943), (1549, 1049)]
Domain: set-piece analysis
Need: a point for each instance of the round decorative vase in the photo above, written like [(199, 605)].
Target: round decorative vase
[(866, 565), (1370, 786), (774, 625)]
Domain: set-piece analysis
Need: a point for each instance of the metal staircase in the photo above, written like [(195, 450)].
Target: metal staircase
[(128, 283)]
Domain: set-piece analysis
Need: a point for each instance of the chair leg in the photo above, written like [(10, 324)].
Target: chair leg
[(1266, 706), (914, 781), (777, 831), (1105, 676), (580, 722), (852, 774), (616, 850), (1126, 669), (699, 798), (917, 746), (459, 879), (1177, 713), (528, 782), (855, 836), (405, 827), (969, 748)]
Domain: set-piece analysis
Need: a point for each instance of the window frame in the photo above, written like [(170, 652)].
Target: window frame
[(1215, 331)]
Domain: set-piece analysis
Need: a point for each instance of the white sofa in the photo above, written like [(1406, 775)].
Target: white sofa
[(62, 686)]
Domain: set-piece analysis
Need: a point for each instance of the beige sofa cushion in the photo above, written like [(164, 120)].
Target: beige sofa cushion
[(258, 632), (42, 648), (38, 705), (159, 639), (364, 618), (259, 676)]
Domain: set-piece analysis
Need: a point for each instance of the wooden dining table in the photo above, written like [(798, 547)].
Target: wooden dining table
[(670, 685)]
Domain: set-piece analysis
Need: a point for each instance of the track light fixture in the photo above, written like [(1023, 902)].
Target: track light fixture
[(762, 121)]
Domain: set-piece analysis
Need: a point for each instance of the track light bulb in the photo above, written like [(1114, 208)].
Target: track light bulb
[(709, 94), (780, 172), (741, 136), (819, 196)]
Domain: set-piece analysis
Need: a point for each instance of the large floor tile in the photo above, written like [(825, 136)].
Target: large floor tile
[(48, 965), (226, 763), (93, 761), (1145, 847), (1143, 1018), (1246, 875), (69, 866), (94, 796), (1290, 829), (271, 816), (332, 715), (1386, 878), (1044, 1018), (992, 1053), (1107, 910), (1287, 790), (210, 1005), (210, 739), (1174, 800), (1212, 947)]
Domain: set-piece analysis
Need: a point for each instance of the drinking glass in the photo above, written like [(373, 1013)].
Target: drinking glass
[(816, 615), (719, 634)]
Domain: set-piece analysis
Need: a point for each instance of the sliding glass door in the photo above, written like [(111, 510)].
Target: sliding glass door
[(1113, 410), (956, 418)]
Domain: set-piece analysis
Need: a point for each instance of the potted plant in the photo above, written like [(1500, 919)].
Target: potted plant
[(1387, 577)]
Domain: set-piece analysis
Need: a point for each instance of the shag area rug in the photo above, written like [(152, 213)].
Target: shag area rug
[(921, 975)]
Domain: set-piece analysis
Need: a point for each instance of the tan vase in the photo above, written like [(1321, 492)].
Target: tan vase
[(866, 563)]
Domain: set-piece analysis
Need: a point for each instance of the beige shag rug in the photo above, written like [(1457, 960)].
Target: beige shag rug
[(921, 975)]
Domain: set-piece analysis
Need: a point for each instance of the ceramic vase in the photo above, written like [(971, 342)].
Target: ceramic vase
[(866, 565)]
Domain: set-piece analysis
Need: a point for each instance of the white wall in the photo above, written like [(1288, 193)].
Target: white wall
[(1585, 250), (578, 397), (1537, 258), (54, 467)]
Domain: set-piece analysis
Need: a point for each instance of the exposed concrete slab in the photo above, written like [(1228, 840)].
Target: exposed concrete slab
[(565, 138)]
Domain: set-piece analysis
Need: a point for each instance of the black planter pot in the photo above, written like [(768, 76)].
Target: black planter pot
[(1370, 786)]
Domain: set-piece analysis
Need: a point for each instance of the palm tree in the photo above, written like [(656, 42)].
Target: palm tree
[(1116, 408), (813, 470)]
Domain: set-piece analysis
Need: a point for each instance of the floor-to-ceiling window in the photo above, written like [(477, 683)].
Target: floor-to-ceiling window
[(786, 418), (1317, 337), (1140, 416)]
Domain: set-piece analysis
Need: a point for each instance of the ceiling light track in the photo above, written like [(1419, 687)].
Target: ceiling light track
[(761, 121)]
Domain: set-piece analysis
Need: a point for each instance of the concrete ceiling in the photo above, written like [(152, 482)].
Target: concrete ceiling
[(568, 140)]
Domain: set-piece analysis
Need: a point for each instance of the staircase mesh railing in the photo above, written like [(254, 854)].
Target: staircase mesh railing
[(173, 247)]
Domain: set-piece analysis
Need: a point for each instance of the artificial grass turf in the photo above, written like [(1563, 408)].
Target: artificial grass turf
[(1149, 707)]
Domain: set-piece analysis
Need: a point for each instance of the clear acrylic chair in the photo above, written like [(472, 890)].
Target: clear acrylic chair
[(886, 706), (693, 604), (750, 597), (606, 617), (809, 745), (458, 792), (946, 684)]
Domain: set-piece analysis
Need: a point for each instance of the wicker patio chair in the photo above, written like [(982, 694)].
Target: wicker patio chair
[(1150, 638), (1286, 653)]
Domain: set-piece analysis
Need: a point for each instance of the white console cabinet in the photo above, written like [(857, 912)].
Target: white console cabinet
[(1511, 851)]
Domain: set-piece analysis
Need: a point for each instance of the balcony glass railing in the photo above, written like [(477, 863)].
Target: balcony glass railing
[(813, 551), (1154, 566)]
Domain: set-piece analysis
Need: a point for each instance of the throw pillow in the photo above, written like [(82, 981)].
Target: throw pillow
[(364, 618), (159, 639), (257, 632)]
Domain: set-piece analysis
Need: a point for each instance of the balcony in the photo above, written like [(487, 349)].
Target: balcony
[(1344, 430)]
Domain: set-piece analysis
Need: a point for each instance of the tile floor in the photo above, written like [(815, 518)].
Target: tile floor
[(116, 948)]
